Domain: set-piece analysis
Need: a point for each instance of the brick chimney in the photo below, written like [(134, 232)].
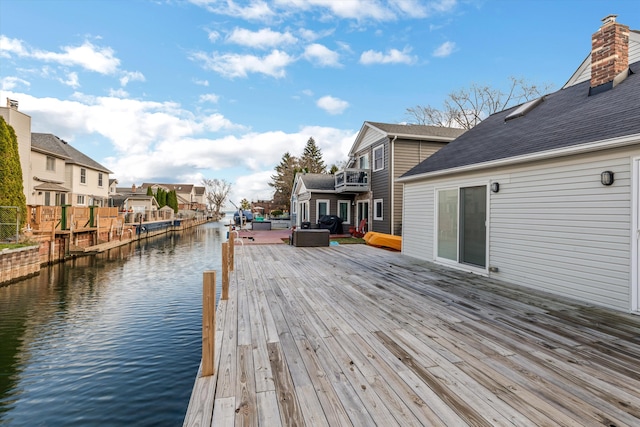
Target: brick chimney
[(609, 51), (133, 188)]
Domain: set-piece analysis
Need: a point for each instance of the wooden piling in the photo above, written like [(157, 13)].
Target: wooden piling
[(208, 322), (225, 271), (232, 250)]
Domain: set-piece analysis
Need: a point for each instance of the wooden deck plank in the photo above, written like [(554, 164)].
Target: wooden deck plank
[(355, 335)]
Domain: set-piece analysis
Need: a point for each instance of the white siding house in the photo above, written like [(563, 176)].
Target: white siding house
[(525, 197)]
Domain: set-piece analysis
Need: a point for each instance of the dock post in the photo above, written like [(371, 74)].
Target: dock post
[(225, 271), (232, 248), (208, 322)]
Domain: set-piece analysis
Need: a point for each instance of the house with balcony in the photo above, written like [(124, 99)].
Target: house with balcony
[(366, 189)]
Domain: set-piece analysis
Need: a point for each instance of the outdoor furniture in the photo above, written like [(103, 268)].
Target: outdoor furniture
[(310, 237), (261, 225)]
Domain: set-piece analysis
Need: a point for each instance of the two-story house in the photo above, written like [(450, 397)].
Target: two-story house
[(366, 188), (53, 172)]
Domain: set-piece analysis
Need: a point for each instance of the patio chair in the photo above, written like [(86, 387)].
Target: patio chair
[(360, 230)]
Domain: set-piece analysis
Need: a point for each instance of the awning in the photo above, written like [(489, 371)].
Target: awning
[(50, 186)]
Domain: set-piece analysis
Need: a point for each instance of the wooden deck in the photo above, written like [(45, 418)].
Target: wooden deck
[(354, 335)]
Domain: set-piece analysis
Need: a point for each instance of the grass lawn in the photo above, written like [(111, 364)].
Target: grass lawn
[(14, 245)]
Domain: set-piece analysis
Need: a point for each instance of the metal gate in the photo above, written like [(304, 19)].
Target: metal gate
[(9, 223)]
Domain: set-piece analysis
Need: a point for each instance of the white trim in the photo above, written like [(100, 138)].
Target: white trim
[(375, 210), (541, 155), (366, 156), (328, 202), (348, 202), (373, 156), (635, 231)]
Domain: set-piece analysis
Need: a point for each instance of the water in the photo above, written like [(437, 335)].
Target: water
[(109, 340)]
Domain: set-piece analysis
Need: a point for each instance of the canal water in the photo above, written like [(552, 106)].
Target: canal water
[(108, 340)]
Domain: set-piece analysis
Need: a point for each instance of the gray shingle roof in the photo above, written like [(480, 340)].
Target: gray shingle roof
[(318, 181), (418, 130), (565, 118), (51, 144)]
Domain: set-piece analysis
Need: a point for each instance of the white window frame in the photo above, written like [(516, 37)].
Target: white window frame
[(348, 203), (363, 159), (328, 202), (381, 149), (80, 199), (83, 176), (51, 164), (375, 209)]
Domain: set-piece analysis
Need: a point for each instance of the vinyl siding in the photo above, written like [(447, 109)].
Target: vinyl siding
[(381, 189), (552, 226), (407, 154)]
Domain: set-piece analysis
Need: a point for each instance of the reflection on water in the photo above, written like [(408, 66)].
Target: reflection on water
[(109, 340)]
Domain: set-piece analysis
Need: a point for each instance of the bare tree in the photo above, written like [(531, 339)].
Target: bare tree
[(467, 107), (217, 193)]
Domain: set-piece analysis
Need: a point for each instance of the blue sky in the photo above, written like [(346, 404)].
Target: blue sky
[(177, 90)]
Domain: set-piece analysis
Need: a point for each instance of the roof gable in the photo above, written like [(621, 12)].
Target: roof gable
[(372, 132), (50, 144), (566, 118)]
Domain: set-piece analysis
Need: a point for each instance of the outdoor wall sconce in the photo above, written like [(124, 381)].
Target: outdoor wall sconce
[(606, 178), (495, 187)]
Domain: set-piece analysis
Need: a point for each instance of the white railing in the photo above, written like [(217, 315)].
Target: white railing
[(352, 180)]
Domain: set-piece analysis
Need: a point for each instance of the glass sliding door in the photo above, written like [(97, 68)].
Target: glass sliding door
[(473, 228), (448, 224), (461, 230)]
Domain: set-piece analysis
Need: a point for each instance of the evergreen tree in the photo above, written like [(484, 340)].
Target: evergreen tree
[(311, 160), (11, 187), (172, 200), (149, 191), (161, 197), (282, 181)]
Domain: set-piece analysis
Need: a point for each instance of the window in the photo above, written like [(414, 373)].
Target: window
[(47, 198), (344, 210), (322, 209), (83, 176), (377, 209), (461, 225), (378, 158), (51, 163), (99, 180), (363, 162), (80, 199)]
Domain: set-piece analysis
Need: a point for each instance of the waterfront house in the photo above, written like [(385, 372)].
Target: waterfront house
[(544, 194), (191, 198), (365, 188), (53, 172)]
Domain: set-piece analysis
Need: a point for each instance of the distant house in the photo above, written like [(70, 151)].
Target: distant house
[(365, 189), (544, 194), (190, 197)]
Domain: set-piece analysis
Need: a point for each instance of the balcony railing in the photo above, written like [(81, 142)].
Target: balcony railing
[(352, 180)]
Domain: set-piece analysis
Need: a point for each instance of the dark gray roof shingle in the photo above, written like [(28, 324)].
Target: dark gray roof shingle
[(51, 144), (418, 130), (318, 181), (565, 118)]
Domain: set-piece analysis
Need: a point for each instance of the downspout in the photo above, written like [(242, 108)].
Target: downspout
[(391, 166)]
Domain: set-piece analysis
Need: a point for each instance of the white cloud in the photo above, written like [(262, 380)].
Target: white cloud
[(213, 36), (257, 10), (201, 82), (262, 39), (131, 76), (118, 93), (10, 83), (71, 80), (235, 65), (332, 105), (393, 56), (445, 49), (161, 141), (209, 97), (322, 56), (12, 46)]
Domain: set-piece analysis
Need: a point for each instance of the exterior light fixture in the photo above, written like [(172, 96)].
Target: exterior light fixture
[(495, 187), (606, 178)]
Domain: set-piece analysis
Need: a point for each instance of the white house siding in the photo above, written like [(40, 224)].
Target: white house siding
[(552, 226), (418, 220)]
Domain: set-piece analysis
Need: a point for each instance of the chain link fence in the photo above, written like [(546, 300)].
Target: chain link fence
[(9, 223)]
